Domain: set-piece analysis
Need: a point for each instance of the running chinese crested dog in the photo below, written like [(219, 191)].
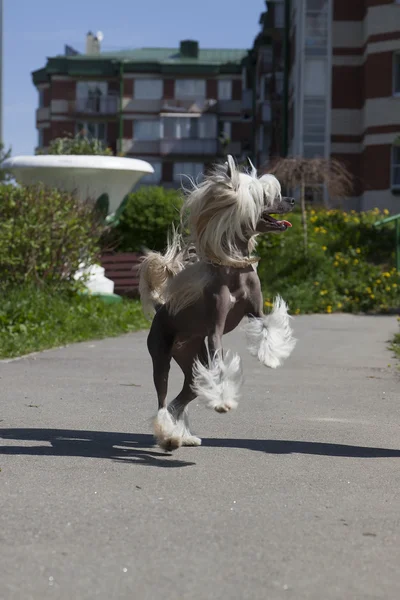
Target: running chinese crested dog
[(203, 287)]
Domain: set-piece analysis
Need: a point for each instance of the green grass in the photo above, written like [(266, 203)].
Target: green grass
[(32, 319), (396, 346)]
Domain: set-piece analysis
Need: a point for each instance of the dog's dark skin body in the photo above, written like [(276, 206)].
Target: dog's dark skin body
[(232, 294)]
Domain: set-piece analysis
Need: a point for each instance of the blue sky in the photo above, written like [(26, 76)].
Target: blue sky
[(35, 29)]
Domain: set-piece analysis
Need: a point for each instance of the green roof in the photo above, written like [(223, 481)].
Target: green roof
[(155, 60), (214, 56)]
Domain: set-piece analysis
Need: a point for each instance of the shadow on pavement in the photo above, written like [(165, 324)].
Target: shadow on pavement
[(139, 448), (294, 447), (133, 448)]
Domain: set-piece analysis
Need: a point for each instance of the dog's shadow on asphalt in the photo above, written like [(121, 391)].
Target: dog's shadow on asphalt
[(135, 448), (138, 448)]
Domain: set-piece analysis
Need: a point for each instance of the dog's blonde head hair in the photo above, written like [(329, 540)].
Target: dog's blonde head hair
[(222, 212)]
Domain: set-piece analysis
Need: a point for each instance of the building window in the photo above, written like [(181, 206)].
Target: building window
[(93, 97), (190, 88), (224, 131), (91, 89), (279, 15), (224, 89), (396, 167), (177, 128), (146, 129), (279, 81), (189, 169), (155, 177), (148, 89), (91, 130), (396, 74), (41, 97)]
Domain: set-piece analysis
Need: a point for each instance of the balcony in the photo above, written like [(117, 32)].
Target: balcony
[(188, 146), (138, 147), (99, 106), (189, 105), (42, 114)]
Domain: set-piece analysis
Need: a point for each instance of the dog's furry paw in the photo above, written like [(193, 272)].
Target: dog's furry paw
[(218, 385), (191, 440)]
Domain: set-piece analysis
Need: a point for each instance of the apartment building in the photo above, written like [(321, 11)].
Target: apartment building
[(327, 80), (180, 109)]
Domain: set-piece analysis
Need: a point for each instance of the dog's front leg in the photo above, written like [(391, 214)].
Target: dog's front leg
[(270, 337), (218, 383)]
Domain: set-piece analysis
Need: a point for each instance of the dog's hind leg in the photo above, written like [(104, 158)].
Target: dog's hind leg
[(160, 348), (172, 423)]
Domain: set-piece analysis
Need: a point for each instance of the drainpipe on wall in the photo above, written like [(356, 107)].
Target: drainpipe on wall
[(121, 95), (286, 58)]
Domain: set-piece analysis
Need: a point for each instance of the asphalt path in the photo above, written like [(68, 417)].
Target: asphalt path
[(295, 495)]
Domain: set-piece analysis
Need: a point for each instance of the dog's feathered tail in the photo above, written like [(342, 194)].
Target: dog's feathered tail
[(157, 269), (270, 338)]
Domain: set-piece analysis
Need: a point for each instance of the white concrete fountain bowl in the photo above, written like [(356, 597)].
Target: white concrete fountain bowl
[(88, 176)]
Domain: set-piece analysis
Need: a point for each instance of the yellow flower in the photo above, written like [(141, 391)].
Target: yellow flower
[(388, 288), (297, 311), (394, 285), (339, 305), (358, 250), (336, 264), (268, 303), (324, 248), (356, 261), (387, 274), (323, 292), (316, 282), (385, 211), (369, 291), (372, 296), (329, 309), (378, 281)]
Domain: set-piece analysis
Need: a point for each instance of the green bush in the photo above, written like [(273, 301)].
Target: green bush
[(147, 218), (44, 235), (33, 319), (349, 266), (78, 145), (396, 344)]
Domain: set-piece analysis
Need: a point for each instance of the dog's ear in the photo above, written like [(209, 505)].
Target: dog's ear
[(231, 172), (253, 171)]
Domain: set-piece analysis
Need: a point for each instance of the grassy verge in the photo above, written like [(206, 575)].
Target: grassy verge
[(396, 346), (32, 320)]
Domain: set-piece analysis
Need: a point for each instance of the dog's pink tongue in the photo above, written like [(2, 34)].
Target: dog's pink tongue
[(287, 223)]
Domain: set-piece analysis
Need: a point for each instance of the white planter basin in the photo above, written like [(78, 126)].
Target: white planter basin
[(89, 177)]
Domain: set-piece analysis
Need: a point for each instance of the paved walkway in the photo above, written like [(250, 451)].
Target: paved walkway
[(293, 496)]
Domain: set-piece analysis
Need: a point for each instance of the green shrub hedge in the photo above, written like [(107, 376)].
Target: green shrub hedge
[(45, 235), (147, 217), (349, 265)]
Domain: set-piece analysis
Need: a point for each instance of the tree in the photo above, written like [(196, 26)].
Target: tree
[(301, 173), (80, 144), (5, 175)]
